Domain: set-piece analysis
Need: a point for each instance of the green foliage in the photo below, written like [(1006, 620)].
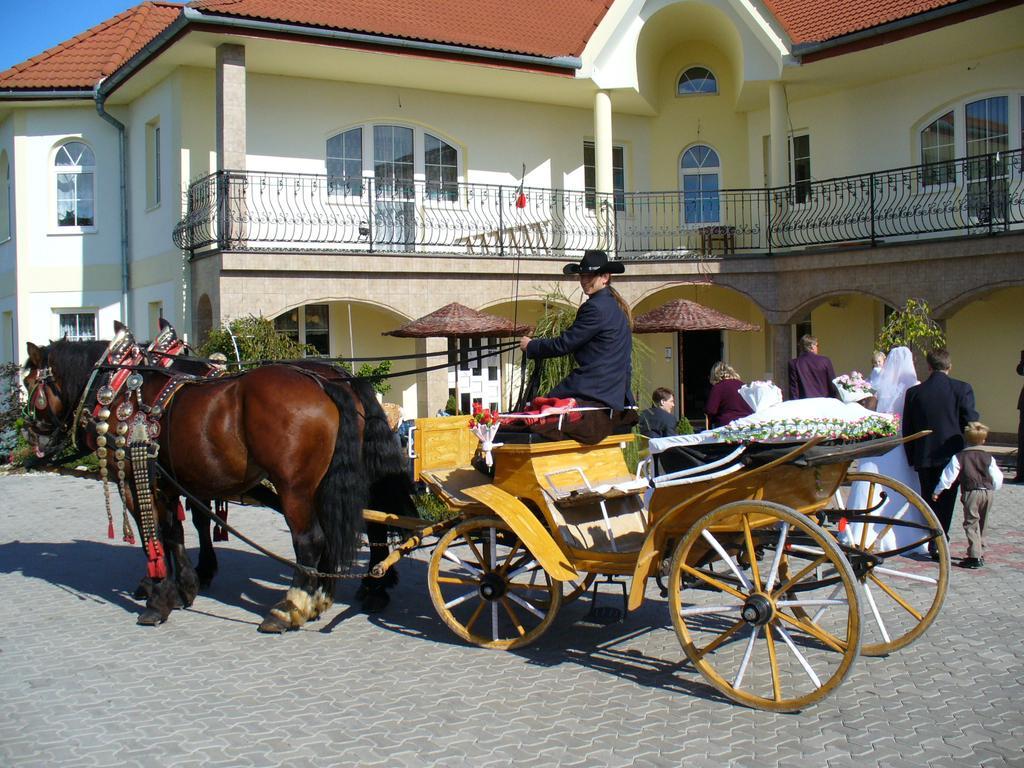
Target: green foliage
[(432, 508), (451, 406), (256, 338), (684, 427), (10, 410), (911, 327)]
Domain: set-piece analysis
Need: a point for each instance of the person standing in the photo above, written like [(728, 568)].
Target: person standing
[(979, 479), (810, 374), (945, 406), (724, 400), (659, 420)]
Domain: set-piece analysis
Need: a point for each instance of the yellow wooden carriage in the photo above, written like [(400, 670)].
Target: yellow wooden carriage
[(774, 584)]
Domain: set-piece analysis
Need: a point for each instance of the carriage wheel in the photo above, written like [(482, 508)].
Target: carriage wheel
[(488, 588), (903, 592), (577, 587), (735, 614)]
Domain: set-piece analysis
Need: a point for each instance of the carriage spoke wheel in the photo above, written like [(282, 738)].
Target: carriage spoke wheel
[(903, 593), (577, 587), (488, 588), (735, 614)]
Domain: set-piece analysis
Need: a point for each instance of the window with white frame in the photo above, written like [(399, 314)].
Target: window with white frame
[(699, 178), (696, 80), (153, 163), (618, 175), (5, 196), (345, 163), (798, 164), (938, 149), (398, 154), (77, 325), (75, 170)]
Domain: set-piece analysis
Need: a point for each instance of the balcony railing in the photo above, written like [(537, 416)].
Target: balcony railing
[(255, 210)]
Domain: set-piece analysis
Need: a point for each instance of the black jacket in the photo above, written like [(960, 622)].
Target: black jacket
[(944, 405), (601, 342), (657, 422)]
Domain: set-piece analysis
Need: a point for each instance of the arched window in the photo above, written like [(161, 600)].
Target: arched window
[(5, 196), (699, 172), (697, 80), (345, 163), (441, 168), (75, 169), (938, 146)]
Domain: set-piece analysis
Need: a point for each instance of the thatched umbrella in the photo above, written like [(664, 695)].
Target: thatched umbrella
[(456, 321), (682, 315)]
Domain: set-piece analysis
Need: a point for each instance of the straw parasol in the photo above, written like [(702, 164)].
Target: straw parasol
[(456, 321), (684, 315), (681, 315)]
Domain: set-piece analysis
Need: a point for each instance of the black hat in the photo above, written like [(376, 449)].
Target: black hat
[(594, 263)]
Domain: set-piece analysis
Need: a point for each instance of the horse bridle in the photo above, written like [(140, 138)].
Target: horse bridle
[(42, 389)]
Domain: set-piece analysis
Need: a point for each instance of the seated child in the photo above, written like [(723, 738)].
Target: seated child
[(979, 478)]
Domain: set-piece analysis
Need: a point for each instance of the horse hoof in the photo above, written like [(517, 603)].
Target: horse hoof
[(145, 589), (375, 601), (272, 625), (150, 618)]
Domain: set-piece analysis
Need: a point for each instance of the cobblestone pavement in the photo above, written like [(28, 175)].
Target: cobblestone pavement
[(81, 684)]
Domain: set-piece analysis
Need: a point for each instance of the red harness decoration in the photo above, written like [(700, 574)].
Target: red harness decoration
[(545, 410)]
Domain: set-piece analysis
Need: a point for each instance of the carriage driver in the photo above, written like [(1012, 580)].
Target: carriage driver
[(599, 339)]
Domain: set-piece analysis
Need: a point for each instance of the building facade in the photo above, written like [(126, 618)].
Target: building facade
[(345, 171)]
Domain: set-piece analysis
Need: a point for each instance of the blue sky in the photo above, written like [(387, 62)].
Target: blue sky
[(31, 26)]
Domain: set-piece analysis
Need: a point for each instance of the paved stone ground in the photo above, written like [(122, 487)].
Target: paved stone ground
[(81, 684)]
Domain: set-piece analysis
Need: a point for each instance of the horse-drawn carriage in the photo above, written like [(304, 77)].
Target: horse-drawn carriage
[(774, 582), (765, 580)]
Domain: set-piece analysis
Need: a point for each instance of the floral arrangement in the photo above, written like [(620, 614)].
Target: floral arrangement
[(483, 423), (783, 430), (852, 387)]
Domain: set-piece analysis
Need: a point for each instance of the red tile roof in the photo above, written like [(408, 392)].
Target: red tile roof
[(537, 27), (814, 21), (546, 28), (81, 61)]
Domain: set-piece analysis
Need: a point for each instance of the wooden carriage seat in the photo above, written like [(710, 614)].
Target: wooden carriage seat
[(444, 449), (587, 492)]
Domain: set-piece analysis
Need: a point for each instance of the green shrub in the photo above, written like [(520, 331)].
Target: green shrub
[(911, 327), (432, 508)]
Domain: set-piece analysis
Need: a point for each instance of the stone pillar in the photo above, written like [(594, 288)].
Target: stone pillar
[(432, 386), (782, 352), (603, 178), (230, 143), (230, 107)]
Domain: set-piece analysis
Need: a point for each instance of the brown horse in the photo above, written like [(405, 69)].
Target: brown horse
[(323, 443)]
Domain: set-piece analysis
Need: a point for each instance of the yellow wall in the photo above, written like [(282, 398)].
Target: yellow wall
[(846, 327), (985, 340)]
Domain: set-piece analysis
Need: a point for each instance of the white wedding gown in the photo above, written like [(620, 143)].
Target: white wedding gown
[(897, 376)]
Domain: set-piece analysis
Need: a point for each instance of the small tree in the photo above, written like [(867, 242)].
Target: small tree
[(911, 327), (252, 339)]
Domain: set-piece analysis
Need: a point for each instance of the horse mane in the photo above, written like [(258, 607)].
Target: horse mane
[(74, 360)]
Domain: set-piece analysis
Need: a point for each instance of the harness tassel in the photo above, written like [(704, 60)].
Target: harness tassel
[(156, 567), (220, 533), (110, 529), (127, 535)]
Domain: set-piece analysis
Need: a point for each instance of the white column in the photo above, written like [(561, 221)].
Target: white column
[(779, 135), (603, 180)]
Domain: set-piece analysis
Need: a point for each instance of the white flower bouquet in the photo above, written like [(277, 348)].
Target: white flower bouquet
[(852, 387)]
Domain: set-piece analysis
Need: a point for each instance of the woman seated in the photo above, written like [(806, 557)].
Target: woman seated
[(724, 401), (601, 341)]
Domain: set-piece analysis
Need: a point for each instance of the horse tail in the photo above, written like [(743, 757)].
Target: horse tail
[(343, 492), (387, 470)]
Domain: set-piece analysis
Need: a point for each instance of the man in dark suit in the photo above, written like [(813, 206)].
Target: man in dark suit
[(944, 405), (810, 374), (659, 420)]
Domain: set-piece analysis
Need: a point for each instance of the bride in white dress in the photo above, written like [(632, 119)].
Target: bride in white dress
[(897, 376)]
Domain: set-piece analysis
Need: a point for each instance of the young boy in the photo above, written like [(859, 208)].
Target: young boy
[(979, 479)]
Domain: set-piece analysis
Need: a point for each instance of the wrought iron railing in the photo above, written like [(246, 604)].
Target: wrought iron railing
[(248, 210)]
